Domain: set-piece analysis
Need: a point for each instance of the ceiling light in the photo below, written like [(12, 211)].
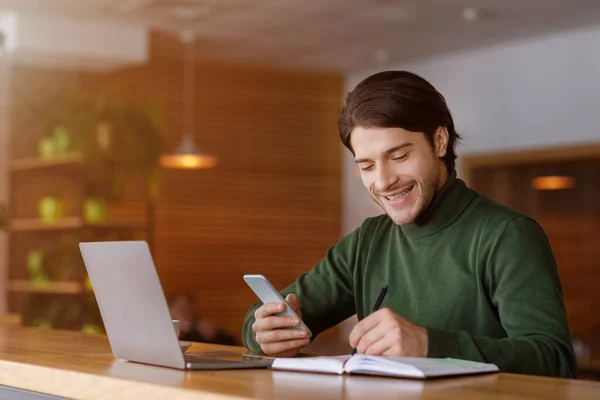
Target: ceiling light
[(471, 14), (382, 55), (553, 182), (187, 155)]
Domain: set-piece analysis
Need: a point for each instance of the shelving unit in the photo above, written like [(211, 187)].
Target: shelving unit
[(58, 295), (67, 223), (25, 286), (33, 163), (77, 161)]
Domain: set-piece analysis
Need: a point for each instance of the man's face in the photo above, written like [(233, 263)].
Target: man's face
[(400, 169)]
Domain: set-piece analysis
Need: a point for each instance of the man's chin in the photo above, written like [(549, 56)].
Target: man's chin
[(403, 219)]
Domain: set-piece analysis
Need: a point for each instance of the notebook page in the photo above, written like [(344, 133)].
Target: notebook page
[(448, 366), (333, 365), (415, 366), (381, 365)]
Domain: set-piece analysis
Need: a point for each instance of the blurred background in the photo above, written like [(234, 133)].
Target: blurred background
[(209, 129)]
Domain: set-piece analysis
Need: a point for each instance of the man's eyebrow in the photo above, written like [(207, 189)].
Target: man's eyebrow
[(385, 153)]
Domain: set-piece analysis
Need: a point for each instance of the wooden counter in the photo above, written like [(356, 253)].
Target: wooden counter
[(81, 366)]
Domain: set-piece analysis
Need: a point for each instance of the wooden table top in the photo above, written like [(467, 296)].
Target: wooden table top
[(81, 366)]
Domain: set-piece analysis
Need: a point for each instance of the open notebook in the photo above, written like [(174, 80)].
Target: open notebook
[(407, 367)]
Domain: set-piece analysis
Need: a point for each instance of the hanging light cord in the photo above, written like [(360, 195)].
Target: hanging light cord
[(188, 85), (187, 154)]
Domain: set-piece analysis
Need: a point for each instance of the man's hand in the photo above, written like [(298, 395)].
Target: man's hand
[(272, 339), (386, 333)]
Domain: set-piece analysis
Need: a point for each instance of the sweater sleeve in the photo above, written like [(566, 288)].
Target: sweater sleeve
[(524, 285), (325, 293)]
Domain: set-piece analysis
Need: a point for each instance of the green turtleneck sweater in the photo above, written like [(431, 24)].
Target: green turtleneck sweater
[(480, 277)]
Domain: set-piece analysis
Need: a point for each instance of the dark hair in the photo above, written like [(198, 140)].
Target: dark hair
[(398, 99)]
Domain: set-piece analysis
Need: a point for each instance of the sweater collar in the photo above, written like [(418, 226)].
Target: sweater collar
[(447, 204)]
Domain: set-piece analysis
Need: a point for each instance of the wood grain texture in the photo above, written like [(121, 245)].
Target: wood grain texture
[(81, 366), (273, 205), (546, 155), (570, 219)]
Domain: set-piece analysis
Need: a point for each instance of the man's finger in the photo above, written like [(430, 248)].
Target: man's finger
[(280, 347), (270, 323), (293, 301), (379, 347), (365, 326), (370, 338), (268, 309), (280, 335)]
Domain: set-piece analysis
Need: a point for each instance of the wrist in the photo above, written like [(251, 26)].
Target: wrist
[(424, 342)]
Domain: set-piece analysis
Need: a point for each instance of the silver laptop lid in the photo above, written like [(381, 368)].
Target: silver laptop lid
[(132, 302)]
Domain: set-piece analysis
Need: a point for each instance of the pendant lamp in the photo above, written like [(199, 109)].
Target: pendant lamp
[(187, 155)]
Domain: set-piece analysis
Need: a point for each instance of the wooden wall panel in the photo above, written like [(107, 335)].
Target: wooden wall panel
[(570, 219), (273, 204), (575, 241)]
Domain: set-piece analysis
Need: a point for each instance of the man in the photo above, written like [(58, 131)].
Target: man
[(468, 278)]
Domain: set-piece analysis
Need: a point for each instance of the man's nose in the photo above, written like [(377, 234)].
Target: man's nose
[(385, 178)]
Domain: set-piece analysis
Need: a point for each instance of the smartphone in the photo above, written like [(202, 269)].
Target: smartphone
[(267, 293)]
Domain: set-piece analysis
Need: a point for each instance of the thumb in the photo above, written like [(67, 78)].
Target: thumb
[(293, 301)]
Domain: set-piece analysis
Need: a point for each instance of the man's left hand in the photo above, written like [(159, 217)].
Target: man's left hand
[(386, 333)]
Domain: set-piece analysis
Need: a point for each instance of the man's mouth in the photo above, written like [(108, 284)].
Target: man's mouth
[(400, 195)]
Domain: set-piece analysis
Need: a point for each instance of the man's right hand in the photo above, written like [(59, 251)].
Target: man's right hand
[(273, 340)]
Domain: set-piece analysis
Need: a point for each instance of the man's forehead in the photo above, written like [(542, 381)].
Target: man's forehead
[(378, 134), (369, 142)]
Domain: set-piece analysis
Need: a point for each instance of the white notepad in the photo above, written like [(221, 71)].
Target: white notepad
[(405, 367)]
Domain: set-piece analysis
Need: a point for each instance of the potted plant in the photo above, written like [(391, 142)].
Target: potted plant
[(110, 134)]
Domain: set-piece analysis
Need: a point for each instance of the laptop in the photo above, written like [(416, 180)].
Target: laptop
[(135, 312)]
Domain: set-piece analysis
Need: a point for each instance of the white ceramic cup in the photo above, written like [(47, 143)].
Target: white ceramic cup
[(177, 326)]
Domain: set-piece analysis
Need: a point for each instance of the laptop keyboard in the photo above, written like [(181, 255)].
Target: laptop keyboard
[(195, 358)]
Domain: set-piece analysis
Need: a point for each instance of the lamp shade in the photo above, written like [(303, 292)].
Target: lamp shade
[(553, 182), (187, 156)]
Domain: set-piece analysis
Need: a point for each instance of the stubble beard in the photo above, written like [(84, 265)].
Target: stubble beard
[(424, 191)]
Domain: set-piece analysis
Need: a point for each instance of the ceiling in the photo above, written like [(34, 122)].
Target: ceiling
[(332, 34)]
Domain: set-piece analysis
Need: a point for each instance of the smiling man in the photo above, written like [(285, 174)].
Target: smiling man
[(467, 277)]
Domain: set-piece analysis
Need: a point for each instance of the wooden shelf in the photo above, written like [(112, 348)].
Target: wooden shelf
[(116, 224), (34, 224), (33, 163), (11, 319), (25, 286)]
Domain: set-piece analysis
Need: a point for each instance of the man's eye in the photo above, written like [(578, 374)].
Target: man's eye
[(398, 158), (366, 167)]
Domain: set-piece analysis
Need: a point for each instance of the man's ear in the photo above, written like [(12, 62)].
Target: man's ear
[(440, 141)]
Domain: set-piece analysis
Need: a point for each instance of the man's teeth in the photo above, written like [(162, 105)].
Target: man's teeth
[(399, 195)]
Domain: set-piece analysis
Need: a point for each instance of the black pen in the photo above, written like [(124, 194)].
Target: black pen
[(376, 306)]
